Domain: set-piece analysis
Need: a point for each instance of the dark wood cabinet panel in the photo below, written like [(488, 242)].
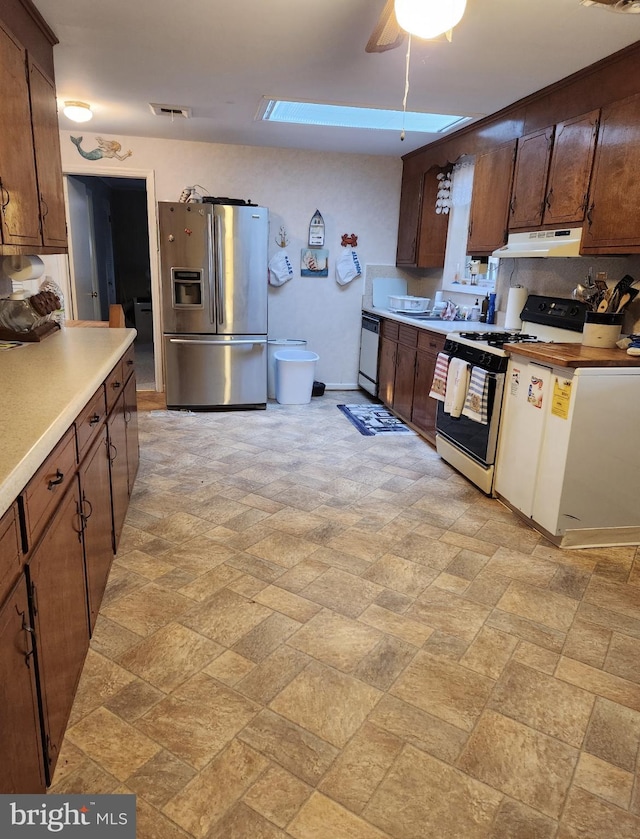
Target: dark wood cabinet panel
[(57, 587), (423, 414), (22, 764), (131, 423), (570, 169), (410, 203), (612, 224), (10, 550), (387, 370), (405, 374), (119, 469), (19, 191), (95, 504), (492, 179), (432, 238), (46, 140), (530, 179)]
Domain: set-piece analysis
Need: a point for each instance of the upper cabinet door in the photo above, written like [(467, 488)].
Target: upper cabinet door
[(530, 179), (492, 180), (612, 218), (410, 202), (570, 169), (20, 219), (44, 116), (432, 238)]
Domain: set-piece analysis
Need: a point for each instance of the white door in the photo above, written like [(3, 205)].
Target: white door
[(82, 263)]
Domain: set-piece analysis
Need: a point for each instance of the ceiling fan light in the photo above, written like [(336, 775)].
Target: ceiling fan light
[(429, 18), (77, 111)]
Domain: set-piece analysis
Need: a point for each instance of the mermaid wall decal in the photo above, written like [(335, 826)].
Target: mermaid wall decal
[(106, 148)]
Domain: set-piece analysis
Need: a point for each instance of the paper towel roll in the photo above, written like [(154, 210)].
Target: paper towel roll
[(22, 268), (516, 299)]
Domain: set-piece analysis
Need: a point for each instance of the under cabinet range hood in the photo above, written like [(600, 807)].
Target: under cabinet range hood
[(536, 243)]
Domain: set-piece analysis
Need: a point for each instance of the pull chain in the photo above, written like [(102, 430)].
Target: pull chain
[(406, 87)]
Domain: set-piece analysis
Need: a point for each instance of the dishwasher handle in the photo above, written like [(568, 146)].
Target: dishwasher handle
[(232, 343)]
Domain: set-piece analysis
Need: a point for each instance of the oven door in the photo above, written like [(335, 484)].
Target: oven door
[(476, 440)]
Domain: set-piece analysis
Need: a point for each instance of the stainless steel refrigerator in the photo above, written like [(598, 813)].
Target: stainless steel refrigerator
[(214, 262)]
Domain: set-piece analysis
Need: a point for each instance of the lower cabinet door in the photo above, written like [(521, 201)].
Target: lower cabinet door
[(22, 763), (403, 388), (131, 422), (95, 495), (424, 406), (58, 595), (119, 469)]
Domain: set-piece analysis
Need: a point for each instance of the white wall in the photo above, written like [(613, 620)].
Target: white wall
[(355, 193)]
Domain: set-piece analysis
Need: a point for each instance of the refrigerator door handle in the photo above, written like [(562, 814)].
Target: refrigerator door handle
[(218, 270), (211, 269), (232, 343)]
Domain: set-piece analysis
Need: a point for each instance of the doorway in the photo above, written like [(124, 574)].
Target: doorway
[(110, 259)]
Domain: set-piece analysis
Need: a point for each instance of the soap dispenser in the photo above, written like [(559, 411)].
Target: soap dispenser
[(475, 311)]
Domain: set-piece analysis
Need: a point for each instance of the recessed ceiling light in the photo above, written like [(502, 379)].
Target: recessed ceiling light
[(77, 111), (354, 116)]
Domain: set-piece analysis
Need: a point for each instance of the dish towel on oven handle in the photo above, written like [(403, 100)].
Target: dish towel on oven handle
[(439, 384), (477, 401), (457, 386)]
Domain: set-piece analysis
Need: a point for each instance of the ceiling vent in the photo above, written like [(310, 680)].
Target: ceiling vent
[(170, 110)]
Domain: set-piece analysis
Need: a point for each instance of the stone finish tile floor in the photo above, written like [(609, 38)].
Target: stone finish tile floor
[(313, 634)]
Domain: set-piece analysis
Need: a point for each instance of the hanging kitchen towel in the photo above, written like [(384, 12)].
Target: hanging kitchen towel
[(457, 386), (439, 384), (280, 268), (347, 267), (476, 403)]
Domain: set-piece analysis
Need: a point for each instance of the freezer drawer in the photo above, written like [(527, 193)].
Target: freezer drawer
[(205, 372)]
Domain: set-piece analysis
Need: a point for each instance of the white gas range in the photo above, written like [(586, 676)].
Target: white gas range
[(470, 444)]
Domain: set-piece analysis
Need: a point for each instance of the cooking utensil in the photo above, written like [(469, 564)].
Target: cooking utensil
[(626, 298)]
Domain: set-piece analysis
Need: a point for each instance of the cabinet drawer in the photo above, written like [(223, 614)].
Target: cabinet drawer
[(10, 553), (430, 341), (407, 335), (390, 329), (114, 385), (48, 485), (128, 361), (88, 423)]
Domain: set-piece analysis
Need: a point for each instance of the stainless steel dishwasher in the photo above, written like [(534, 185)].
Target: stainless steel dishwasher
[(369, 344)]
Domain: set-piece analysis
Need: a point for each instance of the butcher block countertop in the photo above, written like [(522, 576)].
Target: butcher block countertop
[(574, 355)]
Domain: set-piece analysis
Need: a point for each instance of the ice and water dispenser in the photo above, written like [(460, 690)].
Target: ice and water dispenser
[(187, 288)]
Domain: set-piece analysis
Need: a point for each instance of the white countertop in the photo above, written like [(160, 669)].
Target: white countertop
[(43, 388), (436, 325)]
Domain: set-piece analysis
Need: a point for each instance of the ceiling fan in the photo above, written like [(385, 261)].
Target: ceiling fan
[(623, 6), (401, 17)]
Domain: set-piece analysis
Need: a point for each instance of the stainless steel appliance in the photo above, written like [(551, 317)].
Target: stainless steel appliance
[(468, 445), (369, 344), (214, 304)]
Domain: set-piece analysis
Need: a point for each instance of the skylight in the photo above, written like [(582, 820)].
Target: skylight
[(353, 116)]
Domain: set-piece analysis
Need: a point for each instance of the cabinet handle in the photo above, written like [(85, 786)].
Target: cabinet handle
[(45, 213), (94, 419), (3, 192), (81, 520), (547, 200), (589, 216), (86, 516), (115, 452), (54, 482), (34, 599), (116, 385), (130, 362), (512, 205), (31, 638)]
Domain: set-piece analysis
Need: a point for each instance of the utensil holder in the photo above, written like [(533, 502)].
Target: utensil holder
[(602, 329)]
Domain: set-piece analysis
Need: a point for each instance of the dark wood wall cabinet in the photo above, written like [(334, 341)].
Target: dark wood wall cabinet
[(405, 372), (57, 543), (575, 142), (32, 217)]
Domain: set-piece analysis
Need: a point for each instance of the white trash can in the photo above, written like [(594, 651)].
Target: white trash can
[(273, 345), (295, 370)]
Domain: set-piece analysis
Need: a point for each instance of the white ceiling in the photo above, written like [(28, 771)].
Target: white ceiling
[(220, 57)]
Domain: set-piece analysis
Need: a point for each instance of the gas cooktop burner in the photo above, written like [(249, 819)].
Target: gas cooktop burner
[(499, 339)]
